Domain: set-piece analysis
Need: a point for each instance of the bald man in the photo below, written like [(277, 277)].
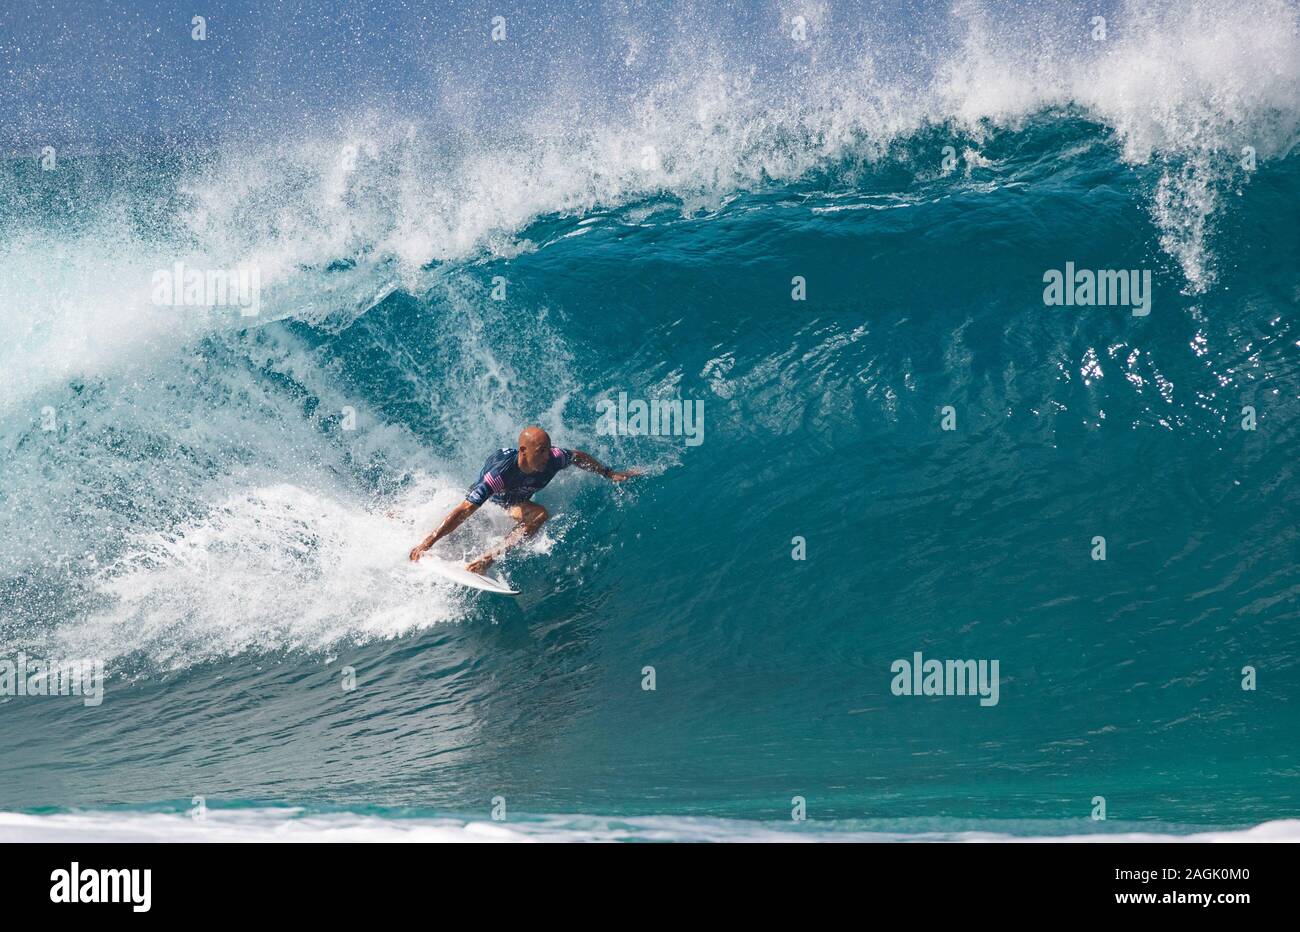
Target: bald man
[(511, 477)]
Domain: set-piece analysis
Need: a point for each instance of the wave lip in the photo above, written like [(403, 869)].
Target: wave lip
[(353, 207), (292, 824)]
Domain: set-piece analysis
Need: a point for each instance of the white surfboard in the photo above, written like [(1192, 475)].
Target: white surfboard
[(456, 572)]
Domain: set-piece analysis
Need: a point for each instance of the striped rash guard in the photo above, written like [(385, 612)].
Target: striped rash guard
[(506, 484)]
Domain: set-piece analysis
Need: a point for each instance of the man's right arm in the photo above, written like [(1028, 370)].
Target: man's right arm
[(453, 520)]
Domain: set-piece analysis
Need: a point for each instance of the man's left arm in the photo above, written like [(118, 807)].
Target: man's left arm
[(591, 464)]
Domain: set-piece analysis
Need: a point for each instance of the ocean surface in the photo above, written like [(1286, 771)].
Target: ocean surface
[(218, 506)]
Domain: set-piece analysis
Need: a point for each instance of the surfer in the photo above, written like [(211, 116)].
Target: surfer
[(511, 477)]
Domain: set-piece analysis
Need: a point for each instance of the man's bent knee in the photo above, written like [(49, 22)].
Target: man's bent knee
[(535, 517), (530, 514)]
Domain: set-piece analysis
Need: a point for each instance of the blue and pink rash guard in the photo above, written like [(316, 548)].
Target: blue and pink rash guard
[(506, 484)]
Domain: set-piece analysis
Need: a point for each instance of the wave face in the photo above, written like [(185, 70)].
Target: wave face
[(218, 506)]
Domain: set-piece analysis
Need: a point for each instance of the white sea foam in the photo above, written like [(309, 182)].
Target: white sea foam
[(231, 523), (296, 825), (272, 568)]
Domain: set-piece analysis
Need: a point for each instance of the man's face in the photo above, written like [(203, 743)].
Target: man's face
[(533, 452)]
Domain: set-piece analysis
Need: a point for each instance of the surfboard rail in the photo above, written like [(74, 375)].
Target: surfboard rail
[(456, 573)]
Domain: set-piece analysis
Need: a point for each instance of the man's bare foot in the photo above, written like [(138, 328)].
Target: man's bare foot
[(481, 564)]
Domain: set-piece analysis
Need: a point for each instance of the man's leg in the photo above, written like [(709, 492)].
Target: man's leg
[(530, 515)]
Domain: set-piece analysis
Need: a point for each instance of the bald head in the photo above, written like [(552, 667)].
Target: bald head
[(534, 448)]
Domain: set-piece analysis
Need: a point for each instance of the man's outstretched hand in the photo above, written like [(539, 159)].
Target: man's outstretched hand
[(415, 553), (625, 475)]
